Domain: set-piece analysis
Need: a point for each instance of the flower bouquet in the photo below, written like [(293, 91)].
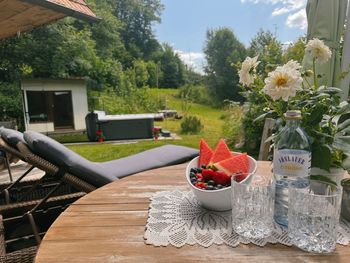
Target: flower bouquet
[(100, 136), (156, 132), (289, 87)]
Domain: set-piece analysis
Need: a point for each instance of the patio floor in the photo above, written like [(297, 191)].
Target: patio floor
[(17, 170)]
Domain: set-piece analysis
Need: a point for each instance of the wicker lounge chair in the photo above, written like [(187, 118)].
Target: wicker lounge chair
[(42, 149), (72, 169), (21, 190)]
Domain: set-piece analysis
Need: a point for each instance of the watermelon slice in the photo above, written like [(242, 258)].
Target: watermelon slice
[(205, 153), (221, 152), (234, 165)]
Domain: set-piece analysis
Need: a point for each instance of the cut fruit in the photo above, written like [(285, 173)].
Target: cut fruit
[(220, 177), (221, 152), (240, 176), (234, 165), (207, 174), (205, 153)]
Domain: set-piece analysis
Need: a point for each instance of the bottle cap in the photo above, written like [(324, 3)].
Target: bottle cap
[(293, 115)]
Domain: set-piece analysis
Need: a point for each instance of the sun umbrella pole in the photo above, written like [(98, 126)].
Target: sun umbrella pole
[(345, 66)]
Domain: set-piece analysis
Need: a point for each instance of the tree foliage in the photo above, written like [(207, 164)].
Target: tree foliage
[(295, 50), (265, 45), (173, 70), (223, 49), (119, 53), (137, 17)]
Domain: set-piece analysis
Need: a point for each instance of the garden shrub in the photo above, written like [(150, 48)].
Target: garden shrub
[(191, 125), (195, 93), (232, 128)]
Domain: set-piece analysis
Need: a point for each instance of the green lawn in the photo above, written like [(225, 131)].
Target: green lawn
[(211, 119)]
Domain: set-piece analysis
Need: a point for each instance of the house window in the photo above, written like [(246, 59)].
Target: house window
[(38, 106), (51, 106)]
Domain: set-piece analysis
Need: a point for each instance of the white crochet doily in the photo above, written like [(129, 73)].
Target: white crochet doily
[(176, 218)]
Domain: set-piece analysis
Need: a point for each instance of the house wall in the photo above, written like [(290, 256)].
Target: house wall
[(79, 100)]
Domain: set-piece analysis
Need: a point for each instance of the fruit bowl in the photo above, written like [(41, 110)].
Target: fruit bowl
[(217, 200)]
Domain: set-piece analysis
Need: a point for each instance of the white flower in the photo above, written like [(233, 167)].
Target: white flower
[(293, 65), (318, 50), (246, 74), (284, 82)]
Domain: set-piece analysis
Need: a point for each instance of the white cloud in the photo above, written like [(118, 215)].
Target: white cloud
[(297, 19), (280, 11), (294, 8), (194, 60)]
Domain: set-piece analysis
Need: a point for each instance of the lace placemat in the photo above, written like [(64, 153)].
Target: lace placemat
[(176, 218)]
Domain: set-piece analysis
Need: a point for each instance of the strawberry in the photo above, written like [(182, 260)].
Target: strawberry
[(201, 185), (208, 174), (240, 176), (222, 178), (199, 176)]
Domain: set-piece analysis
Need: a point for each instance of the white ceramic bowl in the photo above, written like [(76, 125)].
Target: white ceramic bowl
[(217, 200)]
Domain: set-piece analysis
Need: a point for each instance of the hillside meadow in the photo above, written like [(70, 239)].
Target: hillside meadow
[(213, 121)]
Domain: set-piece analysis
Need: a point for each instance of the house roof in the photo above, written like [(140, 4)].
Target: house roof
[(25, 15)]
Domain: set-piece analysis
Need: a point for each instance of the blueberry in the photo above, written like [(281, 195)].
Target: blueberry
[(199, 170), (211, 182), (193, 180), (209, 187), (193, 170), (192, 175), (203, 166), (219, 186)]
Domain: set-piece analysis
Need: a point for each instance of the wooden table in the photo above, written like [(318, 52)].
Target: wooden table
[(108, 225)]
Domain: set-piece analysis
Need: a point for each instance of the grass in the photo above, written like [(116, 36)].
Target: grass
[(211, 119)]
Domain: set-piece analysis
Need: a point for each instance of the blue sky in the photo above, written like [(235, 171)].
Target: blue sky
[(185, 22)]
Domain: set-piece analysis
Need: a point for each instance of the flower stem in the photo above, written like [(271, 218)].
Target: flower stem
[(315, 75)]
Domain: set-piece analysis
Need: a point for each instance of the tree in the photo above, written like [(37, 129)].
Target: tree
[(137, 17), (295, 51), (172, 68), (153, 74), (268, 48), (222, 50), (259, 42), (141, 73)]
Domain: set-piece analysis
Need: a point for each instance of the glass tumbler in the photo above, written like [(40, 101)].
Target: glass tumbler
[(313, 216), (252, 208)]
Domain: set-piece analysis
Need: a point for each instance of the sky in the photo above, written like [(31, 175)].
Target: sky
[(185, 22)]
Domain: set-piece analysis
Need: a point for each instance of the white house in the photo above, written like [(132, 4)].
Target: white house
[(54, 104)]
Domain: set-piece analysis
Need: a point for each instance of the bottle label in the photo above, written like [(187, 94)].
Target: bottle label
[(295, 163)]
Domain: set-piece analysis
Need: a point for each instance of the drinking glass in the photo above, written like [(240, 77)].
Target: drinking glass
[(252, 208), (313, 216)]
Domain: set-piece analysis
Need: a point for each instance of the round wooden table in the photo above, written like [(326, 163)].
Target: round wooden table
[(108, 225)]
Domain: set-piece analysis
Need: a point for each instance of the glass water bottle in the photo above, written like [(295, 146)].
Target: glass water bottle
[(291, 163)]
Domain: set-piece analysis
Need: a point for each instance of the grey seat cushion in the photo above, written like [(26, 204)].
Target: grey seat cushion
[(12, 137), (150, 159), (65, 158), (99, 174)]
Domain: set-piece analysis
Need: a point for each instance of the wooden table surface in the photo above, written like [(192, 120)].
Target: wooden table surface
[(108, 225)]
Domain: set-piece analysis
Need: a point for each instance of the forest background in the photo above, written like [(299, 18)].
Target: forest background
[(121, 58)]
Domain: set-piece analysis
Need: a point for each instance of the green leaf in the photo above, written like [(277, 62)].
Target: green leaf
[(342, 143), (326, 95), (344, 125), (316, 115), (323, 179), (330, 90), (344, 108), (271, 138), (345, 182), (262, 116), (346, 162), (321, 156)]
